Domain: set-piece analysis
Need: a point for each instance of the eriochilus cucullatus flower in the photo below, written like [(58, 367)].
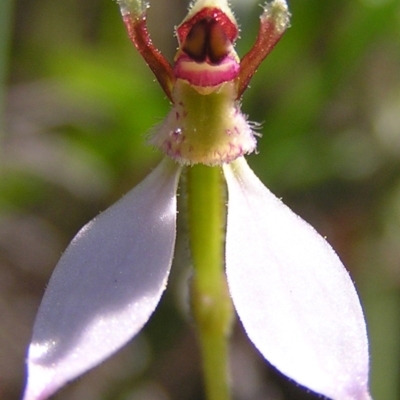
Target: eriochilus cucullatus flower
[(250, 253)]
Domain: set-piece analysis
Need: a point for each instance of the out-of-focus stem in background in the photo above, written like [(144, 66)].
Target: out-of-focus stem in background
[(6, 18)]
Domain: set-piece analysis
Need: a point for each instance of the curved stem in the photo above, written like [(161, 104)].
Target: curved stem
[(211, 303)]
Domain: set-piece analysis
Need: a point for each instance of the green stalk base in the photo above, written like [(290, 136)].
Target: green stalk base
[(211, 303)]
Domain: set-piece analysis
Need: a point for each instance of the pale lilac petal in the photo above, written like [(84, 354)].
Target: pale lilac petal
[(106, 285), (294, 297)]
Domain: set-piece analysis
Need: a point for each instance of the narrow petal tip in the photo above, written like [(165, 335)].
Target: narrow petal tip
[(39, 385)]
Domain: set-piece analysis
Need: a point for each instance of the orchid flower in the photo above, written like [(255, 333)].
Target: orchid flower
[(291, 292)]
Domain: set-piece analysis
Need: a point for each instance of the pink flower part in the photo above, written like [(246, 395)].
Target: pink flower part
[(204, 74)]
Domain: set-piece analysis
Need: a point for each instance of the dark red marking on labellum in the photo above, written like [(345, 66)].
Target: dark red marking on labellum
[(195, 45), (207, 41), (209, 14)]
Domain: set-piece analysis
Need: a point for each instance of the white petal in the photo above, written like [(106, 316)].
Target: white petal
[(106, 285), (294, 297)]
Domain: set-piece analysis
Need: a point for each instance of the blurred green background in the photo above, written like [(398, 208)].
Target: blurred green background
[(76, 102)]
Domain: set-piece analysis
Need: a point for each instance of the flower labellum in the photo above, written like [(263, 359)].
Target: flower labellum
[(291, 292)]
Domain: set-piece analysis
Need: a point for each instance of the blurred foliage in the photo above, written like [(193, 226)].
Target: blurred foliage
[(5, 31), (79, 103)]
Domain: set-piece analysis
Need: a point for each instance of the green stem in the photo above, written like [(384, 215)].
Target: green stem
[(211, 303)]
